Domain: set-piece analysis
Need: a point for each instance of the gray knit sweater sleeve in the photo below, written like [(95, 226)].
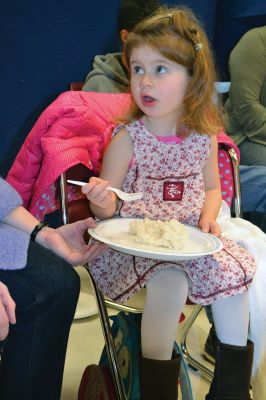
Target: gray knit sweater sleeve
[(13, 242), (9, 199)]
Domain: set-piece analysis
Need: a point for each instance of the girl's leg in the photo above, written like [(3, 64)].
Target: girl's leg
[(46, 293), (231, 319), (233, 366), (166, 296)]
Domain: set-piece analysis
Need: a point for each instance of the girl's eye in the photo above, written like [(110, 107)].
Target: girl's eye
[(138, 70), (161, 69)]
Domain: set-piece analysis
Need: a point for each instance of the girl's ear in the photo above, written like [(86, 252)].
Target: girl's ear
[(123, 35)]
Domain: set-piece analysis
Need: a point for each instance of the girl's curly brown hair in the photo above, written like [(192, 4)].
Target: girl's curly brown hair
[(178, 35)]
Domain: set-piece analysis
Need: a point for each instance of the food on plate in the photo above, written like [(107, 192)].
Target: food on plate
[(171, 234)]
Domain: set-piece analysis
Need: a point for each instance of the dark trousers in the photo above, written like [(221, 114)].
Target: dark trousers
[(46, 294)]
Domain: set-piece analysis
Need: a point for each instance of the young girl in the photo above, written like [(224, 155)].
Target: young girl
[(168, 151)]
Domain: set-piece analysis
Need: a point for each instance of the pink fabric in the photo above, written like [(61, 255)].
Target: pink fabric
[(228, 143), (173, 139), (158, 165), (225, 166), (166, 139)]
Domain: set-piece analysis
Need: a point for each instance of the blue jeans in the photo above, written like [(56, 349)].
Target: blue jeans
[(46, 293), (253, 188)]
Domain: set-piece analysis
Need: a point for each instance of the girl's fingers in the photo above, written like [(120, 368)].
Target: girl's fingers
[(205, 227), (93, 189), (215, 230)]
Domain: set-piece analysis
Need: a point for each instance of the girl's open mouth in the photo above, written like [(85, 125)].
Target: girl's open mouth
[(148, 101)]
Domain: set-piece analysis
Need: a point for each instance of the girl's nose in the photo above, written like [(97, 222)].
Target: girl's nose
[(146, 81)]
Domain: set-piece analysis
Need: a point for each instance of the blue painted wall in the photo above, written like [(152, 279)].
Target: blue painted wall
[(46, 45)]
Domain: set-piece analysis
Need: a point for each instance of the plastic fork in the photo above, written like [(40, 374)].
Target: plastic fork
[(122, 195)]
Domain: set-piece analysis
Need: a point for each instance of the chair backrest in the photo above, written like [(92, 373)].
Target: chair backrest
[(228, 157), (76, 86)]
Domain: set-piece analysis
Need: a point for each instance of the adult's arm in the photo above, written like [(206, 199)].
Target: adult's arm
[(247, 103), (66, 241)]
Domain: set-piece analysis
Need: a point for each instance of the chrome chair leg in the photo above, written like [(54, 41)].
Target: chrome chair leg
[(110, 346), (63, 199), (206, 372), (237, 187), (122, 307)]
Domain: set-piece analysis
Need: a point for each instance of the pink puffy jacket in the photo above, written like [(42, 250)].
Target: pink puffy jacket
[(74, 129)]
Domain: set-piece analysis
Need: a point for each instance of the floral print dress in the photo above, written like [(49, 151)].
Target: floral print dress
[(171, 178)]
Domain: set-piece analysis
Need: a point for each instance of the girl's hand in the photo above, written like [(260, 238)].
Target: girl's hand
[(209, 226), (96, 192)]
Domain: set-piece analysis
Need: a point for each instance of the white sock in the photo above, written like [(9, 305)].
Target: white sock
[(166, 296)]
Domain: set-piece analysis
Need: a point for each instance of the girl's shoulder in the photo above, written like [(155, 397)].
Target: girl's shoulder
[(131, 127), (201, 143), (200, 138)]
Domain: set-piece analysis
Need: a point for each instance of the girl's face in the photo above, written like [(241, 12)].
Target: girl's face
[(158, 85)]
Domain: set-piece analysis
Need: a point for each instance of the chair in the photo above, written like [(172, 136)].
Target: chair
[(228, 156), (69, 214)]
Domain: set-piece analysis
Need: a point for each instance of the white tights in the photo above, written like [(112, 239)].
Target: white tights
[(231, 319), (166, 296)]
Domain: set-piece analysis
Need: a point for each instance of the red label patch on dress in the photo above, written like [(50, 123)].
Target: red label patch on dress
[(173, 191)]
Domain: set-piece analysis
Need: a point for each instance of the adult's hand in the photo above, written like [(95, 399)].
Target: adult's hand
[(7, 311), (67, 241)]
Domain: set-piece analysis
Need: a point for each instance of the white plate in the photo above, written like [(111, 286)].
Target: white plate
[(114, 232)]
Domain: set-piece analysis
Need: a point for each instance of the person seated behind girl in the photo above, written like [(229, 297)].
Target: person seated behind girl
[(169, 142), (108, 73)]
